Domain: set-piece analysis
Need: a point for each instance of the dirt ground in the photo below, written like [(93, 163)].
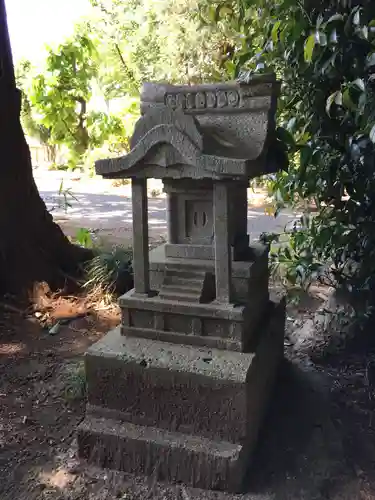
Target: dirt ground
[(318, 441)]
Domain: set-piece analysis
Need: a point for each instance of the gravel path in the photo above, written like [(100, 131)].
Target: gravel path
[(98, 206)]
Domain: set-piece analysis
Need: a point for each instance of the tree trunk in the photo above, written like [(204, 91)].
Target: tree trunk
[(32, 247), (83, 142)]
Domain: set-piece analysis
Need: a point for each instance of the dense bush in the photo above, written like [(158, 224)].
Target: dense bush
[(324, 53)]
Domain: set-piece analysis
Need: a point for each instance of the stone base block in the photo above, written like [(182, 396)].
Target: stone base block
[(191, 414), (172, 457), (192, 390), (215, 325)]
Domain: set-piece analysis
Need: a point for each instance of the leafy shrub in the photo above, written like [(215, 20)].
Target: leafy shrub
[(110, 271), (75, 385), (83, 238), (324, 52)]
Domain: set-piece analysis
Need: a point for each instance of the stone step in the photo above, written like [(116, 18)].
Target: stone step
[(209, 341), (167, 456), (183, 295), (193, 273), (192, 283), (182, 288), (186, 284)]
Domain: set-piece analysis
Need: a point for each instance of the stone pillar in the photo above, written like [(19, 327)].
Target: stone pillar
[(140, 236), (223, 260), (238, 219), (171, 209), (171, 214)]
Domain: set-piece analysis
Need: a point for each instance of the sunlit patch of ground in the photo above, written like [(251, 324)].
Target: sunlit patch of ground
[(9, 349)]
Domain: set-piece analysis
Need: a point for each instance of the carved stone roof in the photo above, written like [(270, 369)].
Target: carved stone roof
[(204, 131)]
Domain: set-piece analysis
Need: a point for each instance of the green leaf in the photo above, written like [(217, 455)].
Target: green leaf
[(226, 10), (335, 17), (285, 136), (305, 157), (360, 84), (372, 134), (370, 60), (291, 124), (244, 58), (333, 37), (275, 31), (309, 47), (347, 100), (329, 62), (221, 11), (357, 17), (287, 253), (335, 97), (321, 38), (363, 32), (231, 68), (212, 13)]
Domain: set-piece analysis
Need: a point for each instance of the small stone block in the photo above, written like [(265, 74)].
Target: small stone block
[(125, 320), (196, 326), (159, 321)]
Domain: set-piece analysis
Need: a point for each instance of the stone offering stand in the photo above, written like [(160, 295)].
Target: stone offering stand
[(180, 389)]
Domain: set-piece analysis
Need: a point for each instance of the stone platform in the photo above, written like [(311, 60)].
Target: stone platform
[(185, 413), (182, 307)]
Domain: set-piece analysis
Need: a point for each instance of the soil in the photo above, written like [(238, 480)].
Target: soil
[(318, 440)]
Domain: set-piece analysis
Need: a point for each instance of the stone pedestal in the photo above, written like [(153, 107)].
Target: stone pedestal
[(180, 388), (183, 413)]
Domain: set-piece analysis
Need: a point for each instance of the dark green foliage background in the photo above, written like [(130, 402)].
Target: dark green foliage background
[(324, 52)]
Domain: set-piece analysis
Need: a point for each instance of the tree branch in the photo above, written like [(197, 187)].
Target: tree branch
[(128, 71)]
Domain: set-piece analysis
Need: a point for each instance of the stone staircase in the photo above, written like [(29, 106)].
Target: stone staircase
[(187, 284)]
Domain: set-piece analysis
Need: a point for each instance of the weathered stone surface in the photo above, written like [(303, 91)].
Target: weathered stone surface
[(212, 324), (249, 278), (163, 385), (235, 110), (131, 441), (187, 125), (226, 138), (223, 257), (140, 236), (191, 219), (191, 284), (172, 457), (183, 308), (198, 340), (193, 324)]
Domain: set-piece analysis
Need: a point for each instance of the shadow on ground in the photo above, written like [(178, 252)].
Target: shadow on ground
[(299, 451), (313, 445)]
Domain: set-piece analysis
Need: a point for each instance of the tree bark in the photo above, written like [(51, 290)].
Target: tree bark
[(32, 247)]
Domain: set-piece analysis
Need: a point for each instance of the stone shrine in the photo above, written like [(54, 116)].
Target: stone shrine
[(179, 390)]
